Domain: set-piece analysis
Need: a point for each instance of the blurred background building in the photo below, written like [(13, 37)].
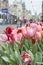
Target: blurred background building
[(17, 11), (42, 7), (41, 14), (4, 4)]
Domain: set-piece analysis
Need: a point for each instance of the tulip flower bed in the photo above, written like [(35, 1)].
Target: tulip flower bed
[(22, 46)]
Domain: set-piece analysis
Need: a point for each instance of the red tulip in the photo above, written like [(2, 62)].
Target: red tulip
[(8, 30), (27, 25), (19, 30), (11, 38), (33, 41)]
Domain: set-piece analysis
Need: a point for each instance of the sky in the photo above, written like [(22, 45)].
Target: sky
[(33, 5)]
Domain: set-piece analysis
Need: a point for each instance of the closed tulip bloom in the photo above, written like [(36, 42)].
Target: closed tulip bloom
[(25, 57), (3, 38), (42, 27), (30, 32), (33, 25), (8, 30), (41, 31), (38, 27), (24, 32), (33, 41), (38, 36), (27, 60)]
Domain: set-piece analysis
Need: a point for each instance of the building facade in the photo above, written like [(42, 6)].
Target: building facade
[(16, 9), (3, 4)]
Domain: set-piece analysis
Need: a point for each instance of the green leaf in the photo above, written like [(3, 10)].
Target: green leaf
[(6, 59), (34, 48), (31, 54), (39, 63), (38, 58), (17, 58)]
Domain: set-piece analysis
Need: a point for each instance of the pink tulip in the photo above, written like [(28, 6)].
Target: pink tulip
[(24, 32), (3, 38), (27, 31), (25, 57), (38, 27), (41, 31), (19, 36), (14, 32), (30, 32), (33, 25), (38, 36), (27, 60), (42, 27), (15, 37)]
